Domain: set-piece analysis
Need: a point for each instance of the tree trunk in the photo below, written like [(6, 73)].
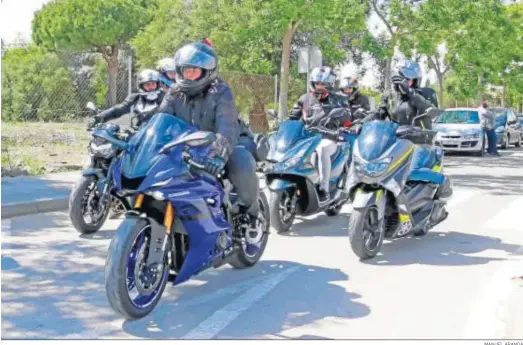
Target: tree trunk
[(440, 91), (504, 95), (480, 88), (388, 70), (113, 67), (285, 64)]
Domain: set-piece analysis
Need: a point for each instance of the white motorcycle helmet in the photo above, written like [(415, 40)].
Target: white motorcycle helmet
[(148, 84)]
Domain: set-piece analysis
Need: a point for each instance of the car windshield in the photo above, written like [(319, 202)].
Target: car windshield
[(458, 116), (499, 111)]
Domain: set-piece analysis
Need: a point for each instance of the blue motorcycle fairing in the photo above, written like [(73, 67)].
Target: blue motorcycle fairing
[(289, 132), (94, 172), (197, 198), (309, 144), (103, 133), (117, 172), (160, 130), (375, 138)]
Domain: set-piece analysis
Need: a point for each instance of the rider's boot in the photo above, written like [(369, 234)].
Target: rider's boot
[(444, 190)]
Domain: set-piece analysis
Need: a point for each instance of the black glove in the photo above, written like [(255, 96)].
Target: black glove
[(214, 165), (93, 121), (295, 112), (401, 84)]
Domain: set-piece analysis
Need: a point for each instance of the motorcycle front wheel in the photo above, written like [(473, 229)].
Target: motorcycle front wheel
[(84, 196), (132, 288)]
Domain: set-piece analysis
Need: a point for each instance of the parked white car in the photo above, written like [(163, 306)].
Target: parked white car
[(459, 130)]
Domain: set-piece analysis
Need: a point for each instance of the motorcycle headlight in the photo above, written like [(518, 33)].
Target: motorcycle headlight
[(105, 150), (373, 169)]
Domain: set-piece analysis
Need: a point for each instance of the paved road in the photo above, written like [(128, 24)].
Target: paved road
[(455, 282)]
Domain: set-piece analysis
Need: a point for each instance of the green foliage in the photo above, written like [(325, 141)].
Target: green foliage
[(34, 85), (87, 24)]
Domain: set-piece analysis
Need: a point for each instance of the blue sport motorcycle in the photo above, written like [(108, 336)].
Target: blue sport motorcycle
[(183, 220), (292, 174)]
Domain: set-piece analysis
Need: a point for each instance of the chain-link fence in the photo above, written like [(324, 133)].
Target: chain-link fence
[(44, 97)]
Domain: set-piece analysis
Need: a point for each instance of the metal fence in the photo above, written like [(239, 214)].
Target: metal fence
[(44, 96)]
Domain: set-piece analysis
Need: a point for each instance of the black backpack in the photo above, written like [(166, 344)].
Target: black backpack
[(429, 94)]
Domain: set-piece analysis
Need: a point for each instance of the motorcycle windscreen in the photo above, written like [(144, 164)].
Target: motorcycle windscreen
[(290, 132), (161, 129), (375, 138)]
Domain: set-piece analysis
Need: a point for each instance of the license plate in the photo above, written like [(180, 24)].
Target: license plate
[(450, 142)]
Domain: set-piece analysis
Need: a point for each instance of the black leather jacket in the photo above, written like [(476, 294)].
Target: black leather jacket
[(403, 108), (133, 103), (213, 110), (307, 100), (356, 101)]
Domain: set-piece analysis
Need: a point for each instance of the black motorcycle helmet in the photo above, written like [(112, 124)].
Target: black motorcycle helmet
[(196, 55)]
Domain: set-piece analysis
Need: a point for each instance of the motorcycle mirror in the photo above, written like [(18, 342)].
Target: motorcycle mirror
[(91, 106), (199, 138)]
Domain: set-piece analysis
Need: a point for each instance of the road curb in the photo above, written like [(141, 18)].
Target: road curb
[(18, 209), (33, 207)]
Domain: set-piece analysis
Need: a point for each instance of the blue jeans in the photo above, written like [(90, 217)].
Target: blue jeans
[(492, 140), (421, 166)]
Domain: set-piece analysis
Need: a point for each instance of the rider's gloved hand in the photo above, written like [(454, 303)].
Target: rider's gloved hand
[(401, 83), (214, 165), (295, 112), (93, 121)]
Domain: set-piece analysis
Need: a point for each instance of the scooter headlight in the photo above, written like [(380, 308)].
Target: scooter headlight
[(374, 168)]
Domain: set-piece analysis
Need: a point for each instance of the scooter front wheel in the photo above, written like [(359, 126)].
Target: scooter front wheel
[(366, 232), (282, 214)]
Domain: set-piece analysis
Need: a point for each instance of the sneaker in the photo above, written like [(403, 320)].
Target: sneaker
[(323, 195)]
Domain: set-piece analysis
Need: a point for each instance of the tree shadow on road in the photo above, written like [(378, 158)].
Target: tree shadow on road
[(321, 225), (442, 249), (306, 296), (52, 285)]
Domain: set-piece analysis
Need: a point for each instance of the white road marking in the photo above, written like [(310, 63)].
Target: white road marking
[(509, 218), (217, 294), (488, 316), (218, 321)]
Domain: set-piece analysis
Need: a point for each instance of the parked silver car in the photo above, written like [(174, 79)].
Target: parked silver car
[(459, 130)]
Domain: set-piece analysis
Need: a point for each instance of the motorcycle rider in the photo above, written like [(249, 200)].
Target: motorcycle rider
[(321, 82), (167, 71), (202, 99), (402, 104), (145, 102), (350, 88)]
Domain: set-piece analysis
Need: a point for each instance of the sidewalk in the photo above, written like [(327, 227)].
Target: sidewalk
[(37, 194), (34, 194)]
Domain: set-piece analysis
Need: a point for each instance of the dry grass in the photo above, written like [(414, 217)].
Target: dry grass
[(44, 147)]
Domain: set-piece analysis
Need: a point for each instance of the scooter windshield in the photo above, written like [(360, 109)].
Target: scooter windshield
[(375, 138), (289, 132), (161, 129)]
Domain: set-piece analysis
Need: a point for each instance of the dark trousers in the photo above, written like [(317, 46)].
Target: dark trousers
[(492, 140), (241, 171)]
